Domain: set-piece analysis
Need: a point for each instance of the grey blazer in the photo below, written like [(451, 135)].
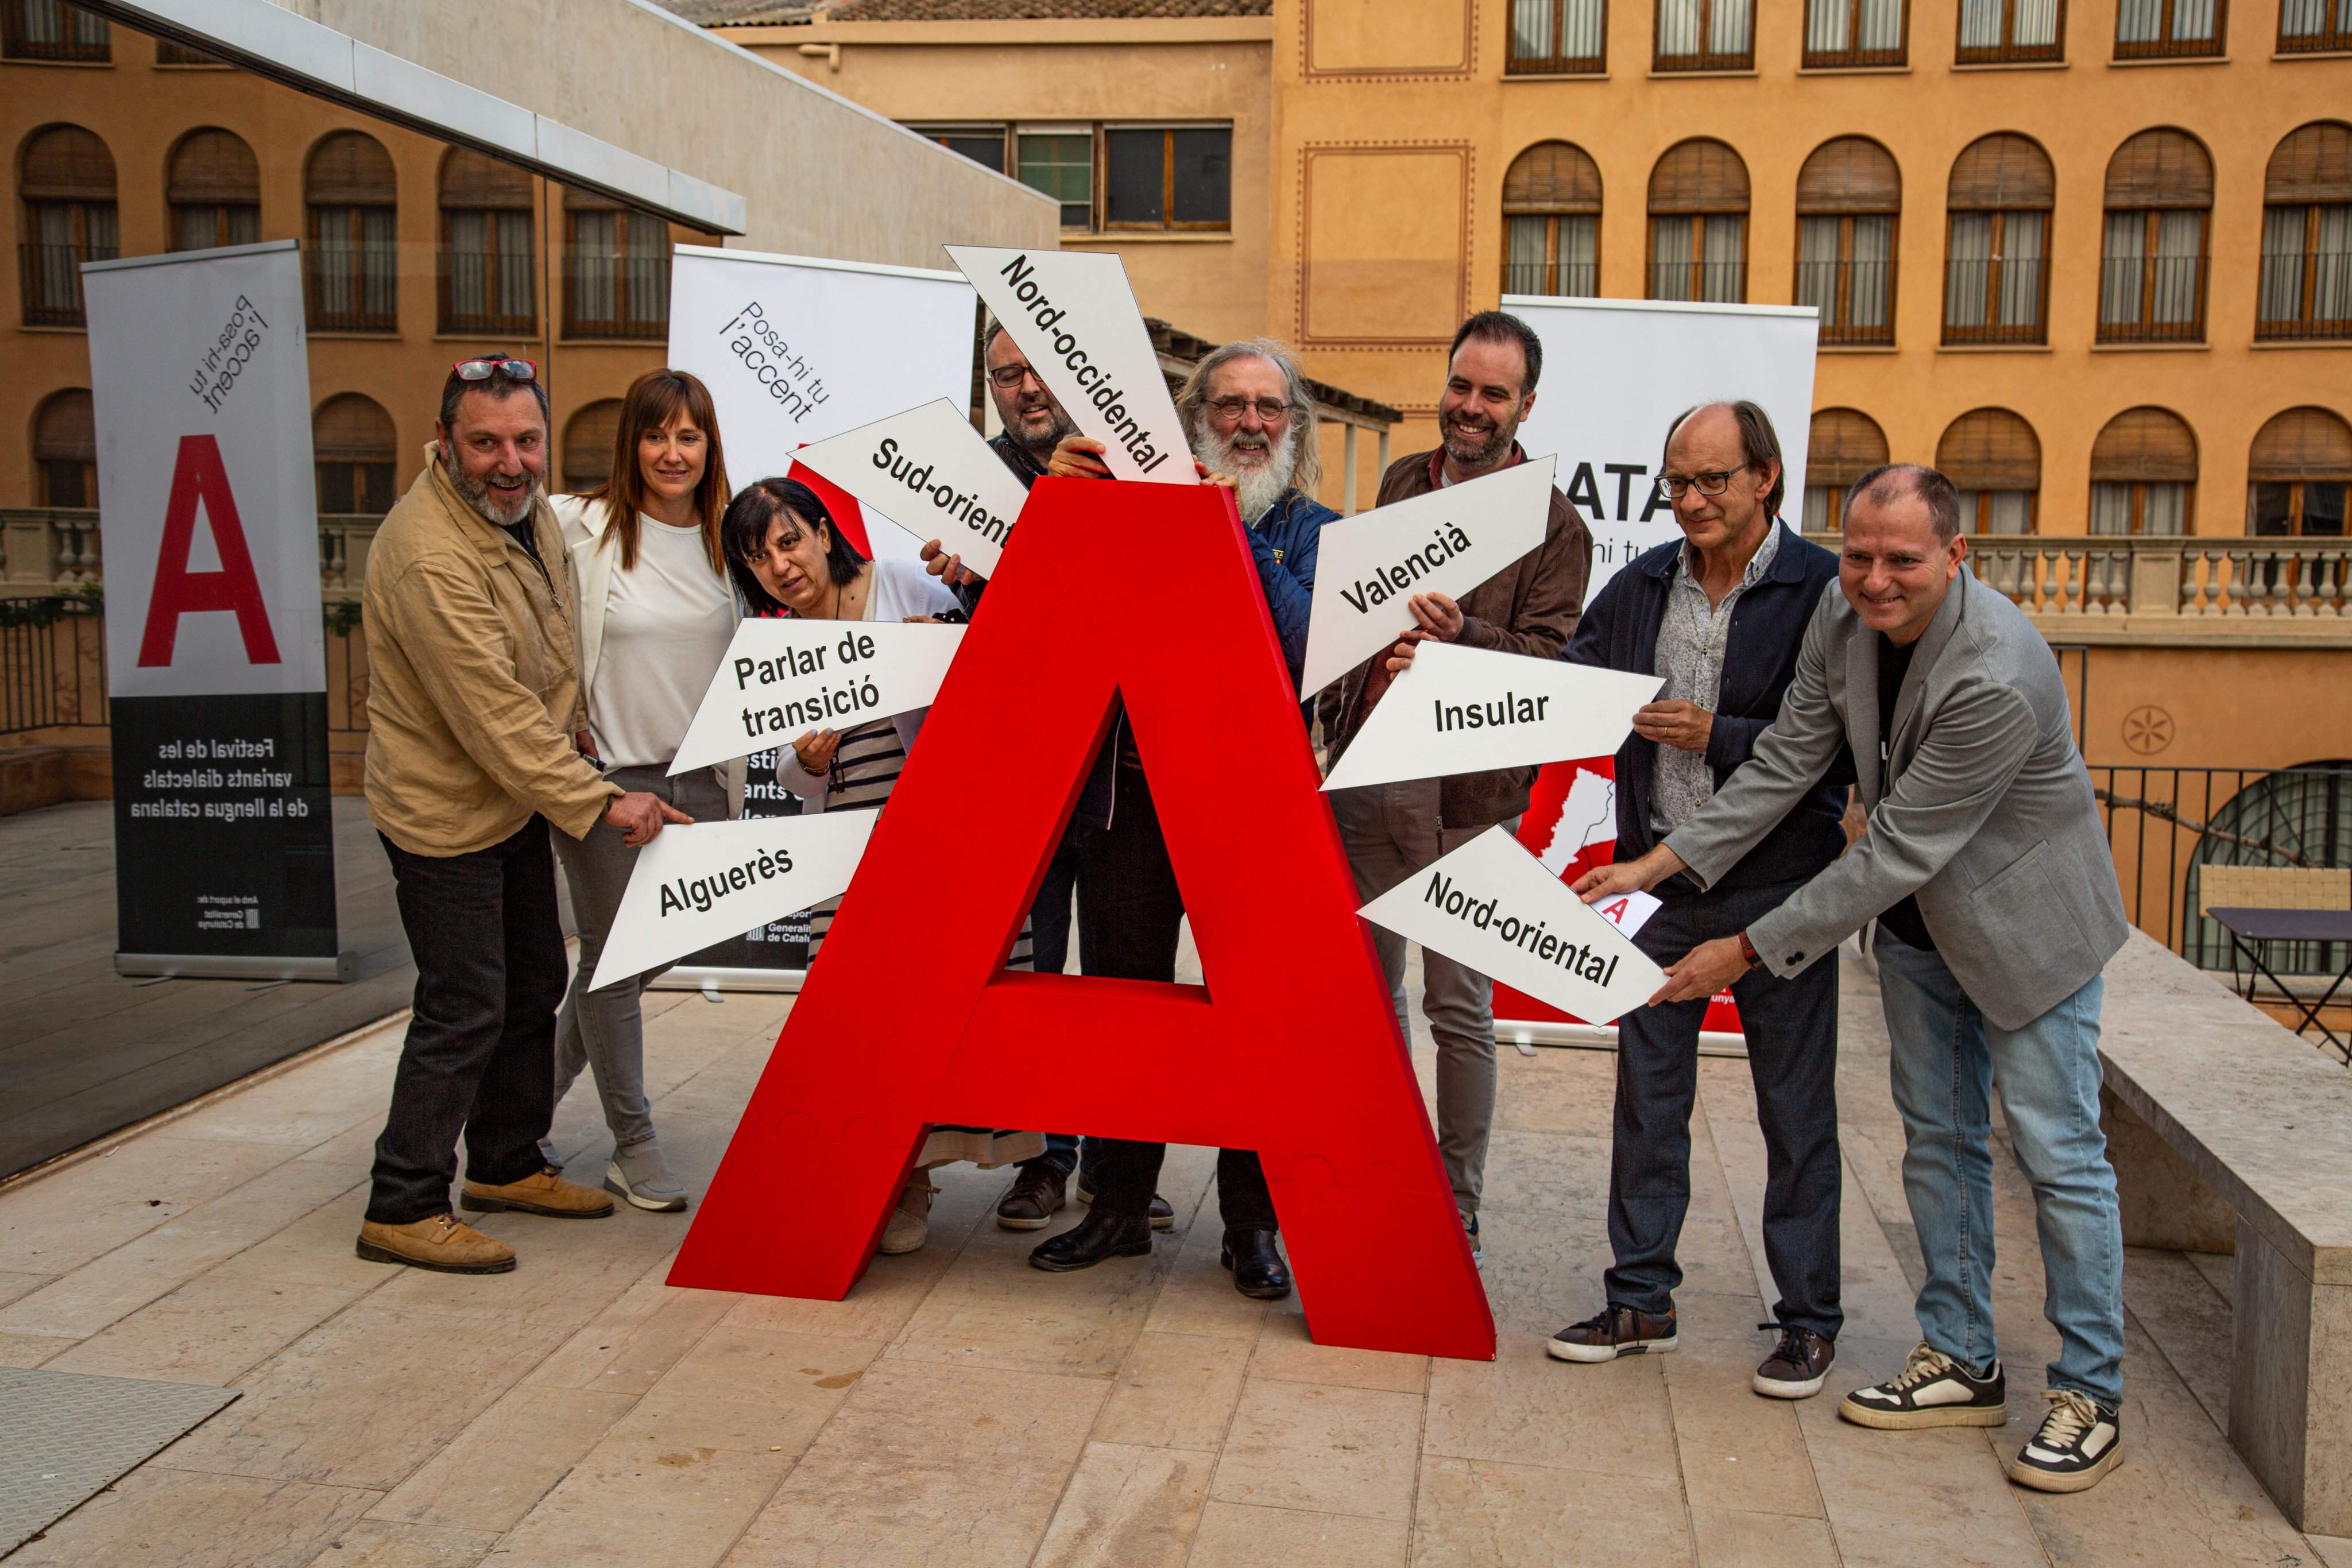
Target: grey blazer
[(1985, 811)]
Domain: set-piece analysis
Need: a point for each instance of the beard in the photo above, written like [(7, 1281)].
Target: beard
[(1482, 450), (1257, 486), (1041, 448), (476, 493)]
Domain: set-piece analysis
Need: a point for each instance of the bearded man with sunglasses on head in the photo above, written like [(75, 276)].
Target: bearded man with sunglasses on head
[(473, 702)]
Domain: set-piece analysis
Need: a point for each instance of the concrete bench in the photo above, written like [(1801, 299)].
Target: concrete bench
[(2230, 1134)]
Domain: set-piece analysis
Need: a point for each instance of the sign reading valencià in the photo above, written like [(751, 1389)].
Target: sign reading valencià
[(782, 678), (929, 472)]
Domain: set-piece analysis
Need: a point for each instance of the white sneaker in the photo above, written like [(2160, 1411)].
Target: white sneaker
[(1932, 1390), (639, 1174), (2080, 1441), (911, 1222)]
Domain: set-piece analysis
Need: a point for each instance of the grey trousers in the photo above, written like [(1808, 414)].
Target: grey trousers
[(605, 1030), (1391, 832)]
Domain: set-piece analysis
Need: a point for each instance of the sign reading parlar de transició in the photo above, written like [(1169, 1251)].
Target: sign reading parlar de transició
[(784, 678), (931, 473)]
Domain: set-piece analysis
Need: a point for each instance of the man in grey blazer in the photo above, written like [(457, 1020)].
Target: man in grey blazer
[(1989, 877)]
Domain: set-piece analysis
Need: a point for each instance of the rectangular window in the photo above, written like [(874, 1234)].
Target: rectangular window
[(1553, 37), (52, 30), (351, 269), (1062, 164), (983, 144), (1997, 511), (2306, 277), (2005, 32), (1845, 269), (616, 274), (2307, 27), (1704, 36), (345, 489), (2139, 508), (1555, 255), (2167, 29), (1994, 279), (1167, 178), (65, 235), (2281, 508), (1855, 32), (2152, 277), (202, 226), (488, 282)]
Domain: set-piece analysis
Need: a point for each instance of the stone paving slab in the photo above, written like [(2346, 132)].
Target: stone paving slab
[(64, 1436)]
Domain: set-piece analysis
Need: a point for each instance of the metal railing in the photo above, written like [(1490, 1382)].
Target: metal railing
[(53, 30), (52, 663), (358, 277), (2313, 27), (1994, 301), (482, 291), (1564, 279), (615, 296), (1846, 289), (2142, 292), (49, 278), (1723, 282), (2195, 581)]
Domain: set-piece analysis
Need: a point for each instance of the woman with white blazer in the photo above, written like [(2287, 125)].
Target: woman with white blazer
[(655, 612)]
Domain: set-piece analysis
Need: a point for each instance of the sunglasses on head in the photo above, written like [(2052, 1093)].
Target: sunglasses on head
[(494, 364)]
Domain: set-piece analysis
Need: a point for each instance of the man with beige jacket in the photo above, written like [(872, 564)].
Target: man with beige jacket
[(473, 701)]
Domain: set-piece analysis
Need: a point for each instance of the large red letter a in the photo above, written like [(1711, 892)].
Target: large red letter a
[(199, 476), (1145, 591)]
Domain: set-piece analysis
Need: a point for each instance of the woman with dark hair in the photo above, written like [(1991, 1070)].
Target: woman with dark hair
[(791, 559), (655, 614)]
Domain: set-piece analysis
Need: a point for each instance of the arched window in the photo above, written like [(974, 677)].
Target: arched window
[(352, 271), (1849, 194), (2298, 817), (489, 265), (1705, 35), (1995, 461), (1856, 33), (355, 452), (615, 270), (2296, 475), (2159, 211), (1844, 445), (66, 177), (2002, 32), (53, 30), (1996, 252), (215, 191), (2311, 26), (1558, 37), (1698, 224), (2143, 473), (65, 449), (2171, 29), (588, 446), (1551, 222), (2306, 288)]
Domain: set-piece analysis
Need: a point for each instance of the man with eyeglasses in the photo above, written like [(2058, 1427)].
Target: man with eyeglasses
[(473, 702), (1721, 614), (1392, 830)]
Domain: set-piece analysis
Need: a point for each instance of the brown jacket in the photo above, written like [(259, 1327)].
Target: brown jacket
[(1531, 608), (472, 696)]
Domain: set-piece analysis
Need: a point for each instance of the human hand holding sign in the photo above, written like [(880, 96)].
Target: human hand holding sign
[(1078, 457), (1684, 725), (815, 750), (640, 815), (1434, 616), (948, 568), (1705, 968)]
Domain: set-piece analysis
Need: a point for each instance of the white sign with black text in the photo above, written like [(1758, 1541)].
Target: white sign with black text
[(696, 885), (1491, 907), (1448, 541), (781, 678), (929, 472), (1470, 710), (1074, 315)]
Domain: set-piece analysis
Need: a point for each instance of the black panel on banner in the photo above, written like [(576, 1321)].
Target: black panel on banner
[(223, 832), (779, 944)]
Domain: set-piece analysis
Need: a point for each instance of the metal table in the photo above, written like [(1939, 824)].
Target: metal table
[(2249, 928)]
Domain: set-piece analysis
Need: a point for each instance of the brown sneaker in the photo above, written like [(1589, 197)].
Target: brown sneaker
[(444, 1243), (1795, 1369), (547, 1192), (1611, 1332), (1036, 1197)]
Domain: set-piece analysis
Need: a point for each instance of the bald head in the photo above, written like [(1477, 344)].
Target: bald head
[(1722, 473)]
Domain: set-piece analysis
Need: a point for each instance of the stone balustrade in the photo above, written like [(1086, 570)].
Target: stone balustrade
[(43, 549)]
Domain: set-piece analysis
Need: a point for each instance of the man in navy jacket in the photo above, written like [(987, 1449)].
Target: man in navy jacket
[(1721, 614)]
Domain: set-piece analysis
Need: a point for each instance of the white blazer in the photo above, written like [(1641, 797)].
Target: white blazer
[(584, 522)]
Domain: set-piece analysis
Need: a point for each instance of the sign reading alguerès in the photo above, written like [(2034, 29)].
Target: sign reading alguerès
[(1074, 316), (929, 472), (784, 678), (216, 645), (1448, 541)]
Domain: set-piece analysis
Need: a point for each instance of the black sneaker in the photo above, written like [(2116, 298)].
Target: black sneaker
[(1932, 1390), (1163, 1215), (2080, 1441), (1797, 1365), (1613, 1331)]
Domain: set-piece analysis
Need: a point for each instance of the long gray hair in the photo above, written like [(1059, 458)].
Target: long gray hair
[(1305, 425)]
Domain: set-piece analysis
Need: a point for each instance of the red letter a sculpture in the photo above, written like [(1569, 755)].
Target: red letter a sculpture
[(1145, 592)]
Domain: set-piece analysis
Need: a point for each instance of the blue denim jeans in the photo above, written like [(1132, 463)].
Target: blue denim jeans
[(1946, 1058)]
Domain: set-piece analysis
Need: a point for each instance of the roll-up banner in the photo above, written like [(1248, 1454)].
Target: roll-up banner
[(1608, 431), (797, 350), (215, 648)]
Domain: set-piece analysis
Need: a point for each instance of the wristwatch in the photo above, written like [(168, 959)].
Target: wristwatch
[(1747, 951)]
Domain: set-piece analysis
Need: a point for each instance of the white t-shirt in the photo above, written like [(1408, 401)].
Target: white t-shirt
[(667, 626)]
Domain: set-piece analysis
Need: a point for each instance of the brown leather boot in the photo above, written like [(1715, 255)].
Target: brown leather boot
[(547, 1192), (444, 1243)]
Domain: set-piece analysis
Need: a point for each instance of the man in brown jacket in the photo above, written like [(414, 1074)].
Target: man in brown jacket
[(1392, 830), (472, 705)]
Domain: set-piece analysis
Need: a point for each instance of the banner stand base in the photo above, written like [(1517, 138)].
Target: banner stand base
[(341, 969), (700, 977), (1599, 1037)]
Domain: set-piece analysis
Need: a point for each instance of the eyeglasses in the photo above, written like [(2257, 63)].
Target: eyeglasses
[(1713, 482), (1010, 376), (482, 370), (1270, 411)]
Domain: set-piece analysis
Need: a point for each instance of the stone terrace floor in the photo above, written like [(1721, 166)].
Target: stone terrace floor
[(963, 1408)]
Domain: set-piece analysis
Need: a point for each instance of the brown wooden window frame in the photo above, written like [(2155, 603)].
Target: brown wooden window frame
[(15, 44), (1553, 268), (2328, 40), (2307, 325), (1557, 64), (617, 325), (1835, 329), (493, 261), (1168, 222), (2148, 330), (2165, 46), (1702, 60), (1995, 274), (1698, 262), (1853, 56), (2006, 52), (46, 462)]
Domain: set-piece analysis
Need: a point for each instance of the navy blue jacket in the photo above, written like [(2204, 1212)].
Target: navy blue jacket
[(1620, 631)]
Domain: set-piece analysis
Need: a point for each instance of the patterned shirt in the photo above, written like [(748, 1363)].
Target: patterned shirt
[(1690, 656)]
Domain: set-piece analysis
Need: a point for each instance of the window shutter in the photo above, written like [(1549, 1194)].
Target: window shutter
[(2145, 446), (67, 164), (65, 430), (577, 200), (1851, 174), (1699, 176), (1552, 177), (1844, 445), (2002, 173), (2301, 444), (353, 428), (350, 168), (470, 180), (588, 444), (213, 165), (2160, 168), (1990, 449), (2313, 164)]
